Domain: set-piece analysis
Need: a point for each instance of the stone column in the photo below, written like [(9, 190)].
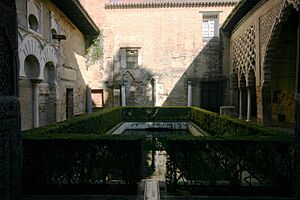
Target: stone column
[(123, 95), (155, 91), (35, 85), (241, 104), (234, 100), (189, 93), (248, 104), (89, 99), (267, 109)]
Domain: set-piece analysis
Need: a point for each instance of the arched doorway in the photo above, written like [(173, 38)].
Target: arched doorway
[(48, 96), (32, 71), (283, 74)]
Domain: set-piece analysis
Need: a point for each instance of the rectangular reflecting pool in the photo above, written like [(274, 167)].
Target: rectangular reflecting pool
[(157, 132), (158, 129)]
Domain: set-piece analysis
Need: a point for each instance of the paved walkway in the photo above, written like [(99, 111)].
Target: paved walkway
[(151, 190)]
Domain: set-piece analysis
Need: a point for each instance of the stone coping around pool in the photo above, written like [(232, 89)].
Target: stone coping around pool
[(192, 127)]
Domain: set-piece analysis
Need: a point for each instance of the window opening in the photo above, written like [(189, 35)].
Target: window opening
[(33, 23), (210, 26)]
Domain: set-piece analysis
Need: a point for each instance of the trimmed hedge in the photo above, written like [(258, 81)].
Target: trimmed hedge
[(96, 123), (214, 124), (58, 165), (102, 121), (256, 162), (78, 152)]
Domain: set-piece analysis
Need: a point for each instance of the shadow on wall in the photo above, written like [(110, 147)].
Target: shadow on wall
[(137, 80), (56, 100), (207, 79), (204, 72)]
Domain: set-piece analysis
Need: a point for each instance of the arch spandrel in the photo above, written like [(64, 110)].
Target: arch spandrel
[(49, 55), (280, 18), (244, 51)]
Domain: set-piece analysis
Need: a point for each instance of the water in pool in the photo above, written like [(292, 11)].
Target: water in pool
[(157, 133)]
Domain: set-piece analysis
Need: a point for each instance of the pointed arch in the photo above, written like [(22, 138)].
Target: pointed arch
[(288, 6), (281, 19)]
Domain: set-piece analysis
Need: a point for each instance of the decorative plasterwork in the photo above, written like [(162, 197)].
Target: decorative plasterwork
[(266, 23), (282, 15), (29, 46), (44, 53), (35, 8), (49, 54), (244, 52)]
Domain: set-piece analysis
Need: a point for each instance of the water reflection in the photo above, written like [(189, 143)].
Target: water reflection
[(157, 132)]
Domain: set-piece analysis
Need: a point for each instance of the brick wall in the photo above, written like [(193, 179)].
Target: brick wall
[(68, 60), (171, 48)]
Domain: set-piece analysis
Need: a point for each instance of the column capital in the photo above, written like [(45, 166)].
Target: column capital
[(154, 79), (36, 81)]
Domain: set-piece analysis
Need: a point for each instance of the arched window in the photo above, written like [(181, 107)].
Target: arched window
[(33, 22), (32, 67), (49, 73), (53, 31), (34, 16)]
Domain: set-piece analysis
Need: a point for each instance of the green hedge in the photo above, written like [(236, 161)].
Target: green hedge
[(79, 148), (96, 123), (250, 161), (80, 161), (214, 124), (102, 121), (156, 114)]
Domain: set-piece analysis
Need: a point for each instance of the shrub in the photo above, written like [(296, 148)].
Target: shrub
[(85, 160), (239, 160), (96, 123), (224, 125)]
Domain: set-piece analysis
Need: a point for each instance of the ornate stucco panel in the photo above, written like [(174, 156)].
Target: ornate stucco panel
[(244, 52), (266, 24)]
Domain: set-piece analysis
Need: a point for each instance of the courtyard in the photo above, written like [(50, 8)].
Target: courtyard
[(149, 99), (151, 151)]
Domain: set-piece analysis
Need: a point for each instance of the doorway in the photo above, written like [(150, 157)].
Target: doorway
[(69, 103)]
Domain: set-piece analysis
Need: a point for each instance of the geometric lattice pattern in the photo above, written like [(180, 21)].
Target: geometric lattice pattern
[(266, 22), (244, 51)]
